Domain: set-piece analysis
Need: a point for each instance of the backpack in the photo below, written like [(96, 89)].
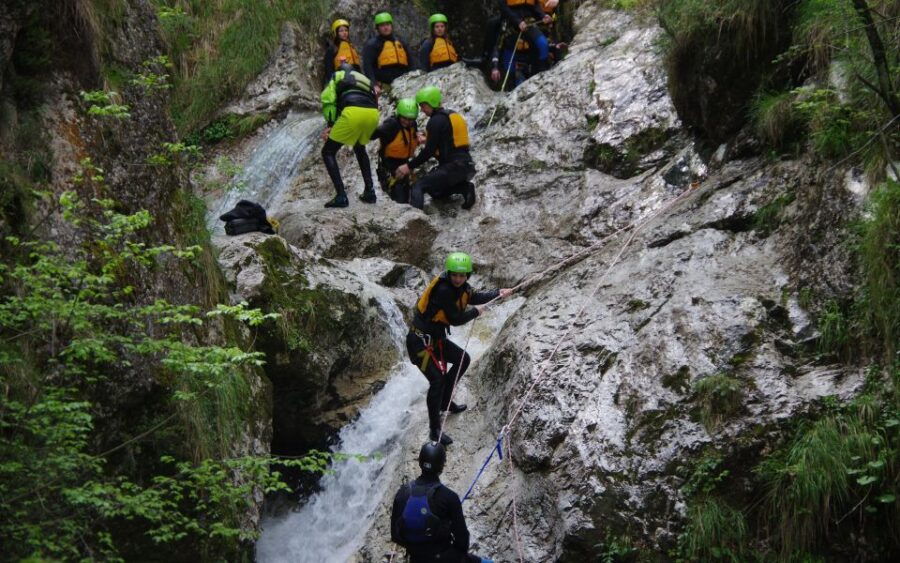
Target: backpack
[(419, 524)]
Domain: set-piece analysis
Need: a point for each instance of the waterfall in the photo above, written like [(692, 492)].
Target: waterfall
[(331, 526), (271, 166)]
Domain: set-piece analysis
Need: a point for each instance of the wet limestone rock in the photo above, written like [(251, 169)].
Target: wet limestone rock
[(332, 347)]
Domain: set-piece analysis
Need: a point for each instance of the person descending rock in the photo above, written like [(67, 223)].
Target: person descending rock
[(399, 139), (519, 13), (386, 56), (447, 139), (445, 303), (427, 517), (437, 51), (351, 111), (340, 50)]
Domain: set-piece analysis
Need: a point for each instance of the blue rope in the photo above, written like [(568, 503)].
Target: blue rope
[(498, 448)]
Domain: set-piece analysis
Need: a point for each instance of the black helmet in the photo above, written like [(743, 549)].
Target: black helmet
[(432, 457)]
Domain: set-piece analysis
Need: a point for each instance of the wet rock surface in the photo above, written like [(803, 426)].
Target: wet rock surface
[(708, 288)]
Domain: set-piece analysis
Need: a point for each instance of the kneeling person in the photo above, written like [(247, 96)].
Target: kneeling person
[(427, 517), (399, 139), (447, 139)]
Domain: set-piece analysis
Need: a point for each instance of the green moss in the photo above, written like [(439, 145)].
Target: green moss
[(623, 162), (768, 217), (678, 381), (718, 397), (635, 305)]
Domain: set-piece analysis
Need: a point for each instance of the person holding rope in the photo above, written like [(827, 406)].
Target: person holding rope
[(519, 14), (399, 138), (447, 139), (445, 303), (427, 517)]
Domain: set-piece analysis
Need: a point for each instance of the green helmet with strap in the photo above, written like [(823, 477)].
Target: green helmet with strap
[(436, 18), (429, 95), (459, 263), (407, 107), (383, 17)]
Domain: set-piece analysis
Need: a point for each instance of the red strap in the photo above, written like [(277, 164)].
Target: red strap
[(439, 363)]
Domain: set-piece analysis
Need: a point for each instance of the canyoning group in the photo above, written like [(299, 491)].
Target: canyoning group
[(519, 42)]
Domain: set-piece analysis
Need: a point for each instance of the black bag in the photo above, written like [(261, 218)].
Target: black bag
[(246, 217)]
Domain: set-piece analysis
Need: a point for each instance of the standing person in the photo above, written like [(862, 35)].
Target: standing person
[(351, 112), (399, 138), (340, 50), (445, 303), (447, 139), (427, 517), (386, 56), (519, 13), (551, 31), (437, 51)]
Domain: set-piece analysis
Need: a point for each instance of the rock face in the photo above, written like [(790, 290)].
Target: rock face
[(707, 291), (334, 344)]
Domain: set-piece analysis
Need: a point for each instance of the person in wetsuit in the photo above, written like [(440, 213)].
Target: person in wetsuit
[(340, 50), (399, 138), (445, 303), (350, 109), (438, 50), (447, 139), (386, 56), (518, 14), (427, 517)]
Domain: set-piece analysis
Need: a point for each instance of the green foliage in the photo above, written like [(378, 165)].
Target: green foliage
[(776, 119), (616, 549), (879, 256), (707, 475), (219, 46), (103, 104), (69, 325), (153, 74), (228, 127), (715, 532), (841, 469), (769, 216), (718, 396)]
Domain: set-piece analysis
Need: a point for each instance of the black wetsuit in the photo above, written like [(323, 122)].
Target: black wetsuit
[(385, 75), (444, 297), (455, 167), (445, 504)]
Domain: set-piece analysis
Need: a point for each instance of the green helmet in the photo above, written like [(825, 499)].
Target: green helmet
[(383, 17), (459, 263), (429, 95), (435, 18), (407, 107)]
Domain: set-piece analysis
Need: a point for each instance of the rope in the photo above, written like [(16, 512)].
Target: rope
[(505, 432), (512, 62)]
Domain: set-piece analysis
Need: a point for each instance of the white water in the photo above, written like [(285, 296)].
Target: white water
[(272, 166), (332, 525)]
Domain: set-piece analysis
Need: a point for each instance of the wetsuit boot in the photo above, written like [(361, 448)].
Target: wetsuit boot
[(368, 195), (446, 440), (468, 196), (456, 409), (329, 156)]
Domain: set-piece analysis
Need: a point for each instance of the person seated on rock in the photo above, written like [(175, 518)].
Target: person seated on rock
[(511, 55), (520, 14), (427, 517), (445, 303), (399, 138), (386, 56), (447, 139), (551, 31), (340, 50), (351, 112), (437, 51)]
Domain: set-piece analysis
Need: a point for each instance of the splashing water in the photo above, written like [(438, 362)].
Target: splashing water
[(333, 524), (272, 166)]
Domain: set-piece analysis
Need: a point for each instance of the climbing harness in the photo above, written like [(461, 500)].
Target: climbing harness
[(428, 353)]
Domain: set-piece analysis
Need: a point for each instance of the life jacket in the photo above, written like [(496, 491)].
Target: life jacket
[(427, 312), (403, 145), (548, 11), (442, 51), (459, 130), (517, 3), (392, 54), (346, 51), (418, 524)]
